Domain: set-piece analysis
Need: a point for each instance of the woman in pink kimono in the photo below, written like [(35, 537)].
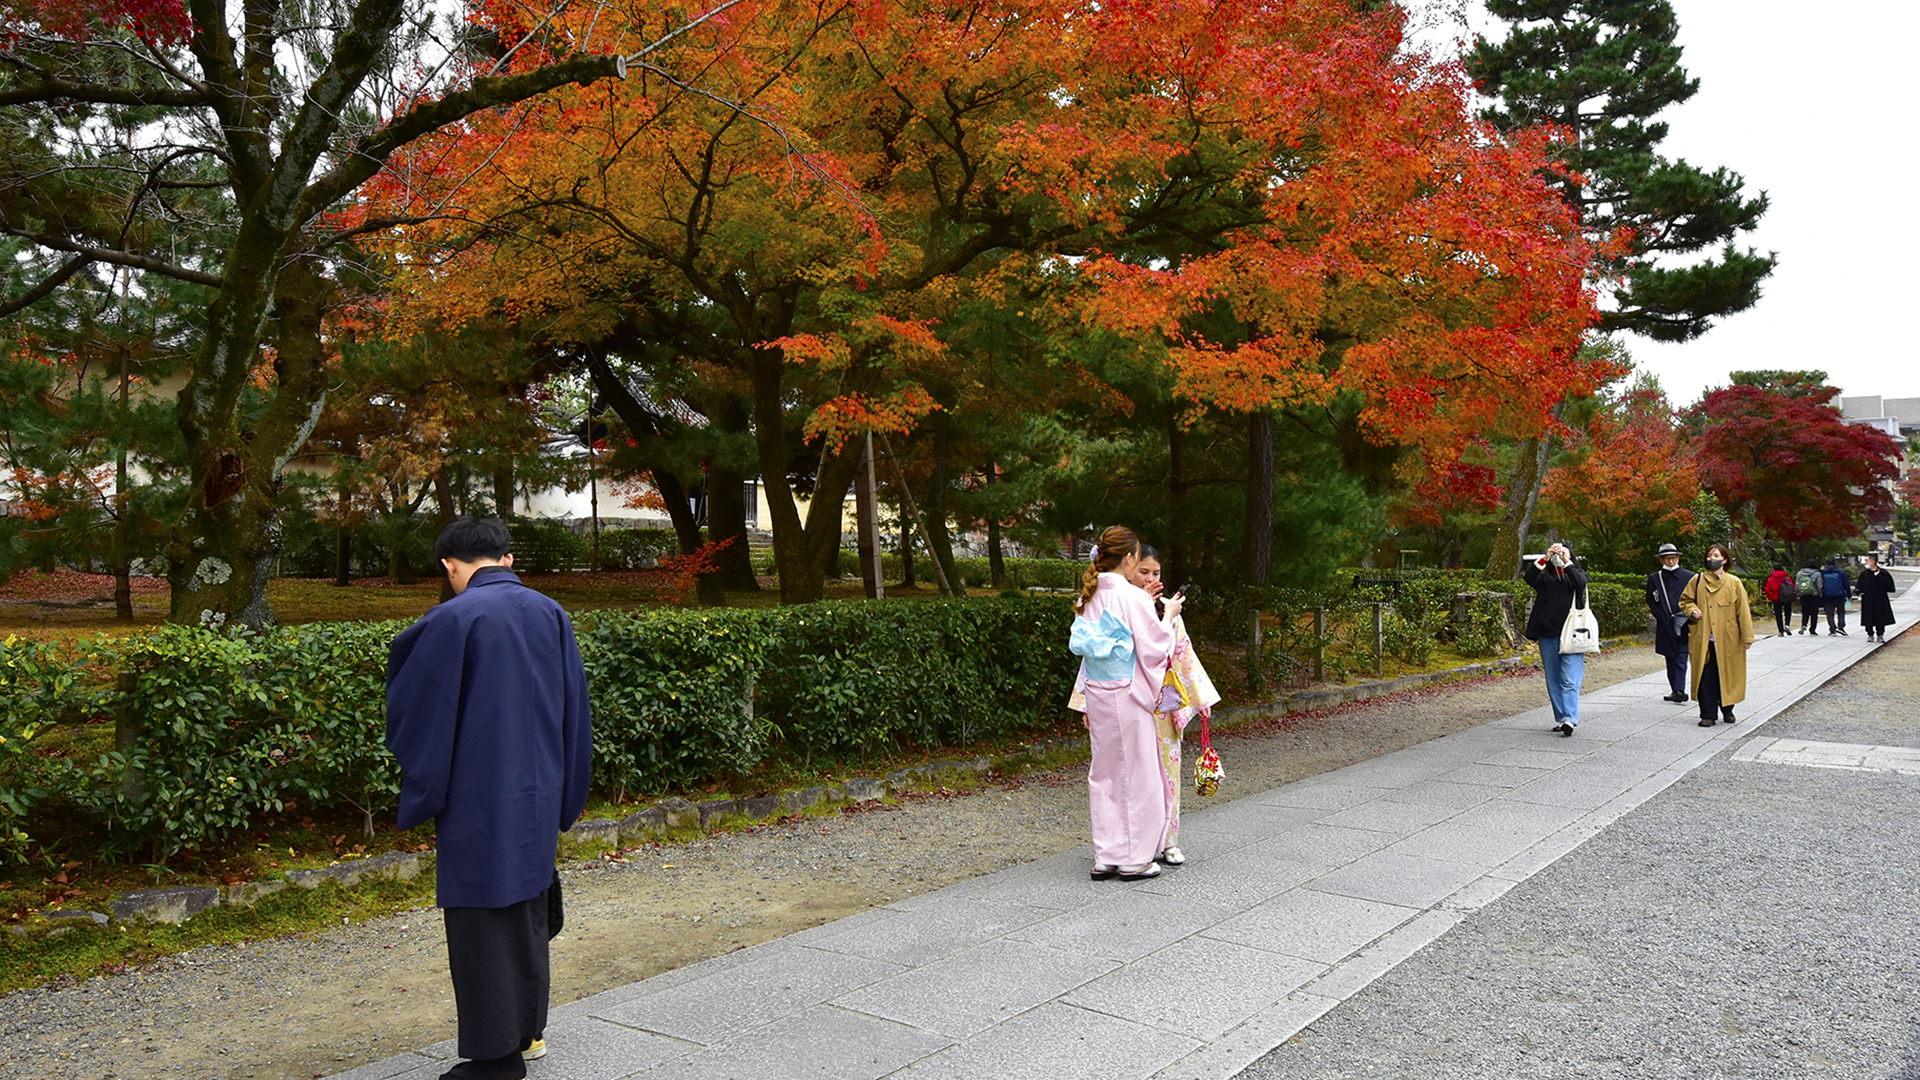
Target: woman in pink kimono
[(1124, 649)]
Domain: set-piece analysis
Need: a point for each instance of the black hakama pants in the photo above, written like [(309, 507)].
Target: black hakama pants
[(501, 976)]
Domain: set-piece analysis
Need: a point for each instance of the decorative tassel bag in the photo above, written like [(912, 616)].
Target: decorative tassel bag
[(1207, 772)]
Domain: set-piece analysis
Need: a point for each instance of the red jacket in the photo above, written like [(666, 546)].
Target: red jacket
[(1775, 582)]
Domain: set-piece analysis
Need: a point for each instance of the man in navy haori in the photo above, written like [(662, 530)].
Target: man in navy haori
[(487, 715)]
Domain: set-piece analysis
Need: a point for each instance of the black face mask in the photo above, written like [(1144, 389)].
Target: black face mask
[(1715, 564)]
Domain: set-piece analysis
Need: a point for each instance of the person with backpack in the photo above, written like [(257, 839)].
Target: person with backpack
[(1835, 588), (1779, 590), (1806, 584), (1663, 599)]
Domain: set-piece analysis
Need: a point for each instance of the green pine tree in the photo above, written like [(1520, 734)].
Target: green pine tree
[(1605, 69)]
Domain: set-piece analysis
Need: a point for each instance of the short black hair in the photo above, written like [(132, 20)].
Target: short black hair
[(1777, 566), (471, 539)]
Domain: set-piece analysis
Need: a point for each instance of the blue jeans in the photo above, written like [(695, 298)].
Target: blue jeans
[(1564, 673)]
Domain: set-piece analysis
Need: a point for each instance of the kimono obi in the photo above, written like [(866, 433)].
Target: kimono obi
[(1106, 647)]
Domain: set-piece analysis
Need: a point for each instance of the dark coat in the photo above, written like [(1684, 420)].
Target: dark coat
[(1834, 584), (487, 714), (1553, 593), (1876, 597), (1663, 599)]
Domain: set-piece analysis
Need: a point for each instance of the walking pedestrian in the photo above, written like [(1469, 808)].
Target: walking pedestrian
[(1556, 583), (1835, 587), (1723, 632), (487, 715), (1779, 593), (1806, 584), (1124, 650), (1876, 599), (1663, 599)]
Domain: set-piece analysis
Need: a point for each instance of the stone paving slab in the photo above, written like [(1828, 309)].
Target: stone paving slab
[(1853, 757), (1293, 900)]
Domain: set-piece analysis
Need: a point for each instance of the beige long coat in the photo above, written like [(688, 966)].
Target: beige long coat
[(1721, 612)]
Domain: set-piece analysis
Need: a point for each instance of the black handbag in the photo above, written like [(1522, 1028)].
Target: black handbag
[(1676, 621)]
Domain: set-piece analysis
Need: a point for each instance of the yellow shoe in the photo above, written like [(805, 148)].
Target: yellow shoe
[(535, 1049)]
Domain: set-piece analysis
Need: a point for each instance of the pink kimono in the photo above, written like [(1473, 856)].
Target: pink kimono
[(1124, 783)]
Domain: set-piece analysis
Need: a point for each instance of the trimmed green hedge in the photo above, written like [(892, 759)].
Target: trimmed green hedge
[(229, 727)]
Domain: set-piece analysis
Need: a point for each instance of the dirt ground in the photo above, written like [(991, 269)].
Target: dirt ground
[(312, 1005)]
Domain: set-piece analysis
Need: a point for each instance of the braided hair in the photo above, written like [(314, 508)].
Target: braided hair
[(1115, 544)]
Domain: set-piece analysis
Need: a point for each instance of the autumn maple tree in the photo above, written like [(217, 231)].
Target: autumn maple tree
[(1792, 463), (253, 119), (801, 230), (1627, 483), (1402, 253)]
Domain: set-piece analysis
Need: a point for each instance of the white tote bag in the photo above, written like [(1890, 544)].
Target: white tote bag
[(1581, 632)]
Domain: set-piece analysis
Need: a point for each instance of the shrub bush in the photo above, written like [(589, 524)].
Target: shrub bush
[(636, 549), (38, 683), (542, 547), (231, 726)]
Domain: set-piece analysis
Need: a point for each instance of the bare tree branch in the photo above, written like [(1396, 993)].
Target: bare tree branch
[(119, 258), (38, 292)]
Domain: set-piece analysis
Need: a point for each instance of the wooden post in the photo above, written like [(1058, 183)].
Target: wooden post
[(906, 499), (1379, 639), (1255, 680), (867, 521), (1319, 644)]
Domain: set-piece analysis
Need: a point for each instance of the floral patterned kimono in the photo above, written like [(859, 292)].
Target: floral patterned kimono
[(1170, 726)]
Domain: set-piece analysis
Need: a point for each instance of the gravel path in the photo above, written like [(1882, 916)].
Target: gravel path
[(1754, 920), (312, 1005)]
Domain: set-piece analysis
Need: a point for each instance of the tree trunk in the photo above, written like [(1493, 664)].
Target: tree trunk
[(1516, 518), (907, 580), (503, 488), (443, 507), (996, 561), (222, 551), (1257, 556), (343, 542), (122, 570), (727, 503), (801, 550), (939, 539), (1177, 486), (650, 435)]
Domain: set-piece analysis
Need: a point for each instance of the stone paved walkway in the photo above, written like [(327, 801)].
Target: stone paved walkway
[(1293, 900)]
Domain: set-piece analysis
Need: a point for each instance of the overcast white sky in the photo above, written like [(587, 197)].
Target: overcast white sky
[(1815, 110)]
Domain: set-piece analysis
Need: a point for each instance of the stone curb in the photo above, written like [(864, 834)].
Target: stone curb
[(588, 839), (177, 905)]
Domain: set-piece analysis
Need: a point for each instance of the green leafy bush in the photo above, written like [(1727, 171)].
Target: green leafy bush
[(228, 727), (542, 547), (232, 726), (636, 549), (38, 683)]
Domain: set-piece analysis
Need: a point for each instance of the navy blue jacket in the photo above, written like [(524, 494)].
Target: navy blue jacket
[(1664, 587), (487, 714)]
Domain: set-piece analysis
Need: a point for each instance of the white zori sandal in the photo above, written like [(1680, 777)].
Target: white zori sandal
[(1171, 857)]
